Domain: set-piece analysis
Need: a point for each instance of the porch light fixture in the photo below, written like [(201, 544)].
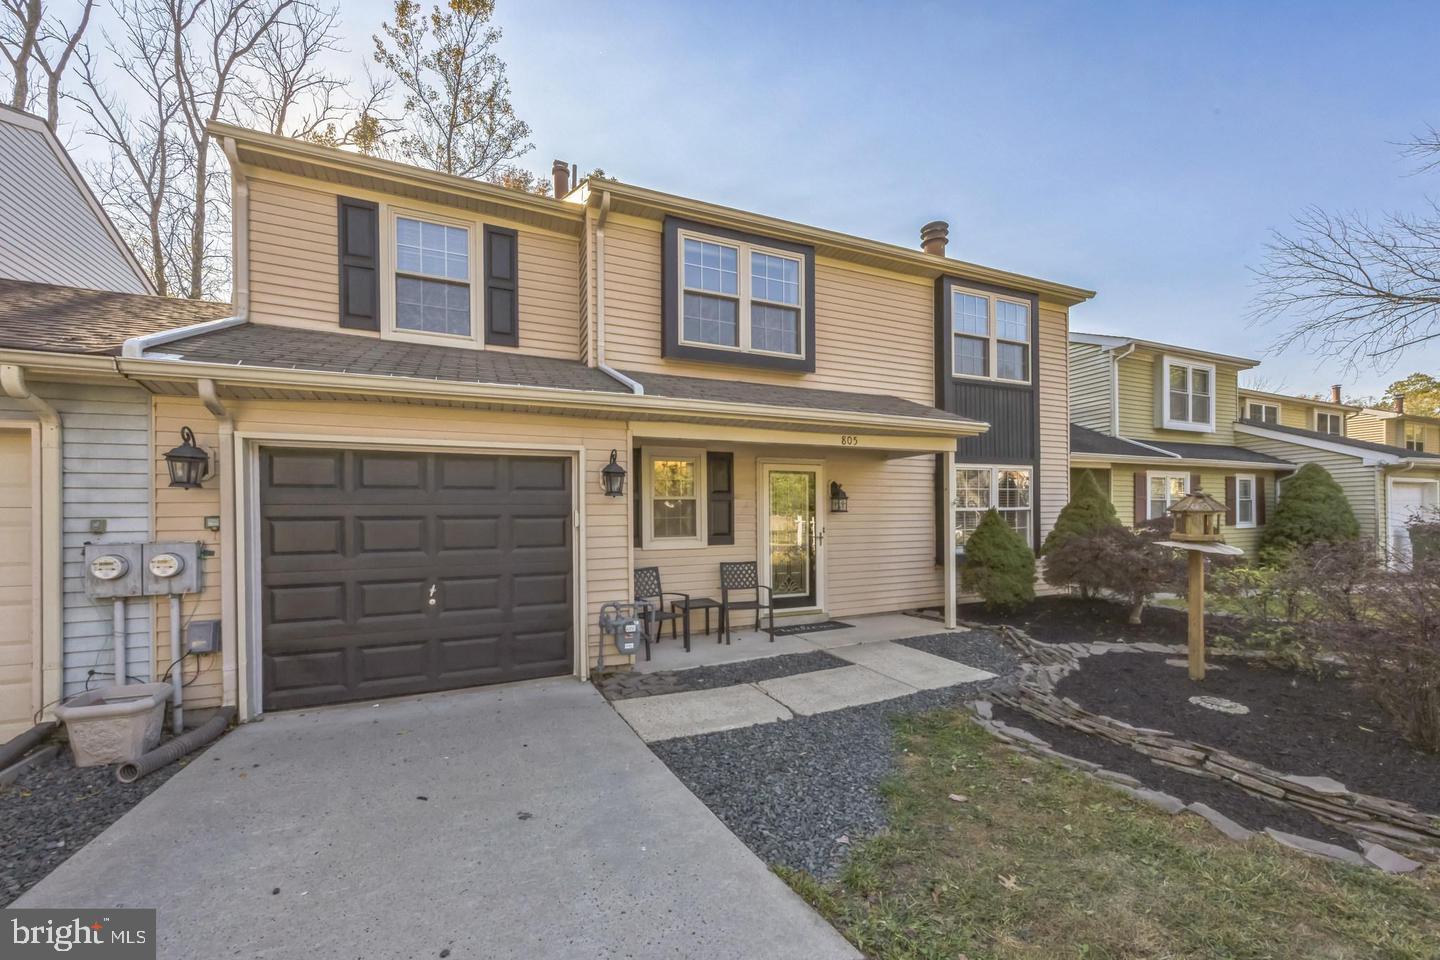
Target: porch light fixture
[(188, 464), (612, 478), (839, 499)]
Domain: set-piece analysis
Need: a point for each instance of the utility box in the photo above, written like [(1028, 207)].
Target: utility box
[(113, 570), (171, 567), (202, 636)]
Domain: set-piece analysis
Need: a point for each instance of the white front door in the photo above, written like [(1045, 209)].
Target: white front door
[(1408, 500)]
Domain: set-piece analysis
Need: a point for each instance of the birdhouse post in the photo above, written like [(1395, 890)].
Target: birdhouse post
[(1198, 530)]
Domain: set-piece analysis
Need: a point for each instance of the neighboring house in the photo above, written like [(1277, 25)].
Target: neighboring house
[(412, 412), (1330, 417), (1388, 484), (1156, 421)]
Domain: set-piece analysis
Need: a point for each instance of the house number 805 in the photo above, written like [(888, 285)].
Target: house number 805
[(847, 440)]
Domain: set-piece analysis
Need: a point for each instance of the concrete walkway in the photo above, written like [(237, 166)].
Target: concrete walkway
[(880, 671), (517, 821)]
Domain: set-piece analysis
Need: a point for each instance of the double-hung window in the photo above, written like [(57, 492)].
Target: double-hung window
[(1188, 395), (978, 489), (1165, 489), (991, 336), (1244, 500), (1331, 423), (741, 296), (432, 277), (673, 496), (1262, 412), (1414, 438)]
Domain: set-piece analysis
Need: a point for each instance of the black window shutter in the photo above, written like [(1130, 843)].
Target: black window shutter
[(502, 276), (637, 481), (359, 229), (720, 491)]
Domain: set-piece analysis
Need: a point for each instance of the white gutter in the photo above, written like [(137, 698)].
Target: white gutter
[(135, 347), (634, 385), (13, 385), (1115, 359), (228, 541)]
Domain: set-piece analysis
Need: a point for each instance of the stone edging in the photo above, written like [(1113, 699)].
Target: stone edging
[(1380, 824)]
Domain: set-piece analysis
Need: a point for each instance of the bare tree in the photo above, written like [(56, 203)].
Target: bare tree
[(57, 45), (19, 37), (1362, 290), (457, 112)]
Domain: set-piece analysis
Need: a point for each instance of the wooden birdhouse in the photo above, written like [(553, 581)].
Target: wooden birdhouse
[(1198, 518)]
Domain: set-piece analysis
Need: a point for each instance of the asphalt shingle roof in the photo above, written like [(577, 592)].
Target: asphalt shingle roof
[(1083, 440), (1344, 441), (42, 316), (1212, 451)]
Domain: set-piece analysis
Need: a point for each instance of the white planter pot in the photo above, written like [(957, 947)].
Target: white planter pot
[(114, 724)]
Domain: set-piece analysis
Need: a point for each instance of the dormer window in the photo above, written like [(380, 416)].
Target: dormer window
[(736, 298), (432, 277), (1262, 412), (1331, 423), (1414, 438), (1187, 395)]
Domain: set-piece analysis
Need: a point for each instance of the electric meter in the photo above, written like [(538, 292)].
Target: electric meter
[(109, 566), (166, 565)]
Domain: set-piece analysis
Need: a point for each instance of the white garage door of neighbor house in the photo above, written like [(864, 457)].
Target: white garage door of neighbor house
[(1407, 500)]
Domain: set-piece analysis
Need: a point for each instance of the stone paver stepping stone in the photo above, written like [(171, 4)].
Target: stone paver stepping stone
[(921, 670), (702, 711), (1315, 848), (826, 690)]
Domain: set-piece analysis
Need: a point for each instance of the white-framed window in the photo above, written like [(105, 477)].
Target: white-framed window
[(741, 296), (1188, 395), (674, 499), (1415, 437), (1244, 500), (991, 336), (1331, 423), (1007, 489), (433, 265), (1262, 412), (1165, 489)]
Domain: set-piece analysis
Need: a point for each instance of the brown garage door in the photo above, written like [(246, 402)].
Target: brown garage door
[(387, 573)]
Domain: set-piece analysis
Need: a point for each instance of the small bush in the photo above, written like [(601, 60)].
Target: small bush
[(1088, 510), (998, 565), (1312, 509), (1116, 560)]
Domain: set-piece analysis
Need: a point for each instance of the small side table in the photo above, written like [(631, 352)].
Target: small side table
[(695, 603)]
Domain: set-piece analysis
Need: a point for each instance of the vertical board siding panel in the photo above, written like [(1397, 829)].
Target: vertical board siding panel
[(105, 439)]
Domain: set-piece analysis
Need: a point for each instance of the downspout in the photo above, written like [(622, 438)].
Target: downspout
[(634, 385), (240, 232), (230, 531), (12, 382), (1115, 359)]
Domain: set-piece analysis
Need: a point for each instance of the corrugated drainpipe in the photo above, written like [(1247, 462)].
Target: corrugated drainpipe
[(1115, 359), (12, 382), (230, 533), (634, 385)]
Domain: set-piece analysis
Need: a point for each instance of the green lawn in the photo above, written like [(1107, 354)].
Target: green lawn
[(1040, 862)]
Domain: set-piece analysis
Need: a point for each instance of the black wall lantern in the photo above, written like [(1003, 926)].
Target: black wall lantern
[(612, 478), (839, 499), (188, 464)]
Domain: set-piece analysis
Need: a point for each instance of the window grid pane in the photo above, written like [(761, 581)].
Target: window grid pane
[(979, 488), (673, 503), (972, 315), (432, 306), (711, 320), (775, 329), (970, 356), (1012, 321), (1012, 361), (432, 249), (711, 267), (776, 279)]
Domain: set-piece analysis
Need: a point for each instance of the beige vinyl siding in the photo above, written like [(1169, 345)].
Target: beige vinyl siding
[(1295, 415), (874, 330), (586, 292), (19, 638), (1363, 485), (1370, 428), (1138, 413), (1212, 481), (1090, 395), (1054, 386), (180, 513), (294, 268)]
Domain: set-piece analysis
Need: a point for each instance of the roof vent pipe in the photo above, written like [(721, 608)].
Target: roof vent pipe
[(560, 174), (933, 237), (1334, 393)]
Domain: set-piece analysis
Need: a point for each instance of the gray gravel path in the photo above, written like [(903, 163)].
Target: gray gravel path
[(55, 809), (977, 648), (791, 790), (627, 686)]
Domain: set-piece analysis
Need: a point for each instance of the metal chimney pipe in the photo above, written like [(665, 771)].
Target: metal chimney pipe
[(933, 237)]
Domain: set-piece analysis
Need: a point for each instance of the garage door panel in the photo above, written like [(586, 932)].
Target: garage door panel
[(355, 545)]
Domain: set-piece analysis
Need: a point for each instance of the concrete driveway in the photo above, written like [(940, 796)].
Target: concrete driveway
[(517, 821)]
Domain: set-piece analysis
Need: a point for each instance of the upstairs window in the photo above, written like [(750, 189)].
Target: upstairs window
[(1414, 438), (1188, 396), (432, 277), (1332, 423), (1262, 412), (738, 299), (991, 336)]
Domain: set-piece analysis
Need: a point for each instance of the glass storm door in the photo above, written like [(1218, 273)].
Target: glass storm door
[(793, 535)]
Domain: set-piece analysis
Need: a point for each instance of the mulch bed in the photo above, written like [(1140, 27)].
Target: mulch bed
[(1065, 619), (627, 686), (54, 809), (1299, 724)]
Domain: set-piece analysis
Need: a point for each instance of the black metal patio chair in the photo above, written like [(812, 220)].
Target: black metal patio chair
[(648, 587), (742, 578)]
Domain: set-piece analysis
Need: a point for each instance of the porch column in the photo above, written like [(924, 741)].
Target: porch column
[(948, 548)]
